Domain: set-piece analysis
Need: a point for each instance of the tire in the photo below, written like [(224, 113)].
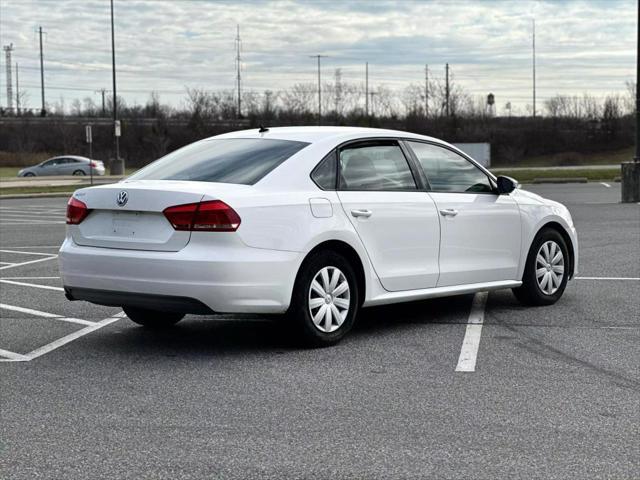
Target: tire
[(535, 290), (307, 300), (152, 318), (29, 174), (79, 173)]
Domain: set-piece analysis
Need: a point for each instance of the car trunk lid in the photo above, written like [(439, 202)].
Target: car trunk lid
[(129, 215)]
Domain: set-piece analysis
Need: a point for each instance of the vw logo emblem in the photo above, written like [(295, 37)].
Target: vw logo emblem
[(122, 198)]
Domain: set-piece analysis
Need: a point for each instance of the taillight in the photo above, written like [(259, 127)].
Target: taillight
[(77, 211), (93, 164), (210, 216)]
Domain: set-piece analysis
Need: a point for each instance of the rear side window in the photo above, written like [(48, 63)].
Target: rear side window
[(229, 160), (324, 175), (381, 167)]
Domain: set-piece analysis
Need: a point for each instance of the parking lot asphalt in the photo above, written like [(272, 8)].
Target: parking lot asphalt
[(555, 392)]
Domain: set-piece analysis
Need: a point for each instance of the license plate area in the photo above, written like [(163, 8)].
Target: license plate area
[(125, 224)]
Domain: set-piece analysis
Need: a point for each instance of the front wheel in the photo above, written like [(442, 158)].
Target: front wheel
[(152, 318), (545, 274), (325, 300)]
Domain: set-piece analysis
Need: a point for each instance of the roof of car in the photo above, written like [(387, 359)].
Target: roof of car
[(315, 134)]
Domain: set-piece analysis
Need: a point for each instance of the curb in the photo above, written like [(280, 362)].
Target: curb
[(36, 195), (561, 180)]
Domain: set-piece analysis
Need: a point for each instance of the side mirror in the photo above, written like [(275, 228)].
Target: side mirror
[(506, 184)]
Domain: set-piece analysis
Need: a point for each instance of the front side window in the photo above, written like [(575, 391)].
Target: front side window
[(229, 160), (449, 172), (379, 167)]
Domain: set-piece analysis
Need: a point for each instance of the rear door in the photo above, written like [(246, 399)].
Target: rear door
[(480, 230), (397, 223)]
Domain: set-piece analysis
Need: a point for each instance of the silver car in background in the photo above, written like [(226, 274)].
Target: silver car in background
[(64, 165)]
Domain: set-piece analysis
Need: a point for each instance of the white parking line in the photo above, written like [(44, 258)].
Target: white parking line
[(39, 313), (28, 278), (35, 285), (39, 246), (471, 342), (7, 263), (29, 262), (631, 279), (38, 352), (605, 184), (30, 224), (29, 311), (12, 356), (27, 253)]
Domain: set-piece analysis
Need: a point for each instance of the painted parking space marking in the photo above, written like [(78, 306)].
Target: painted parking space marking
[(605, 184), (15, 265), (27, 253), (38, 352), (38, 313), (16, 357), (630, 279), (28, 278), (34, 285), (471, 343)]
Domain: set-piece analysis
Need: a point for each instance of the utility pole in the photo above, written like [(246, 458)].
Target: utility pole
[(7, 51), (319, 88), (17, 90), (533, 45), (43, 111), (239, 112), (115, 101), (102, 91), (446, 97), (630, 171), (372, 109), (366, 89), (426, 91)]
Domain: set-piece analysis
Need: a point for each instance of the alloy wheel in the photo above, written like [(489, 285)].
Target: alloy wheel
[(549, 267), (329, 299)]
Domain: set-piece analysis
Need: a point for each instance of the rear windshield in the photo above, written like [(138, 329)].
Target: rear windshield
[(230, 160)]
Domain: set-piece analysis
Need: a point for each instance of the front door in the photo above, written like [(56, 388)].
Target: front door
[(480, 230), (398, 225)]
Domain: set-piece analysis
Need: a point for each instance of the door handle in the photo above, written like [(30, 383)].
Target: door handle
[(361, 213), (448, 212)]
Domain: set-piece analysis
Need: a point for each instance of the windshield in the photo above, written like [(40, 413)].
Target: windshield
[(231, 160)]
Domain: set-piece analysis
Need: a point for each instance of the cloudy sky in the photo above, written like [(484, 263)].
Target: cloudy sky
[(168, 45)]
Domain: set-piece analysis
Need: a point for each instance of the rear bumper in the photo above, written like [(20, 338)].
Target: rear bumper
[(163, 303), (226, 276)]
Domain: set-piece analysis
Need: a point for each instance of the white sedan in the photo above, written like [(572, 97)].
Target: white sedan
[(314, 223)]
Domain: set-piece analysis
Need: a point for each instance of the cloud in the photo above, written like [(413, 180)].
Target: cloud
[(583, 46)]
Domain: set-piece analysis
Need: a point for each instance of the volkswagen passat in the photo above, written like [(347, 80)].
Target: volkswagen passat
[(314, 223)]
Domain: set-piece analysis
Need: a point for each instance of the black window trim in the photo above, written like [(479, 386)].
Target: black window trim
[(490, 176)]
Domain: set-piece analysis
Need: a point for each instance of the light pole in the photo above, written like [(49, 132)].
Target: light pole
[(630, 178)]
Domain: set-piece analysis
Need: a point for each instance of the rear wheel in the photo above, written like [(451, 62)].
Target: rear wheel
[(325, 300), (152, 318), (545, 273), (79, 173)]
